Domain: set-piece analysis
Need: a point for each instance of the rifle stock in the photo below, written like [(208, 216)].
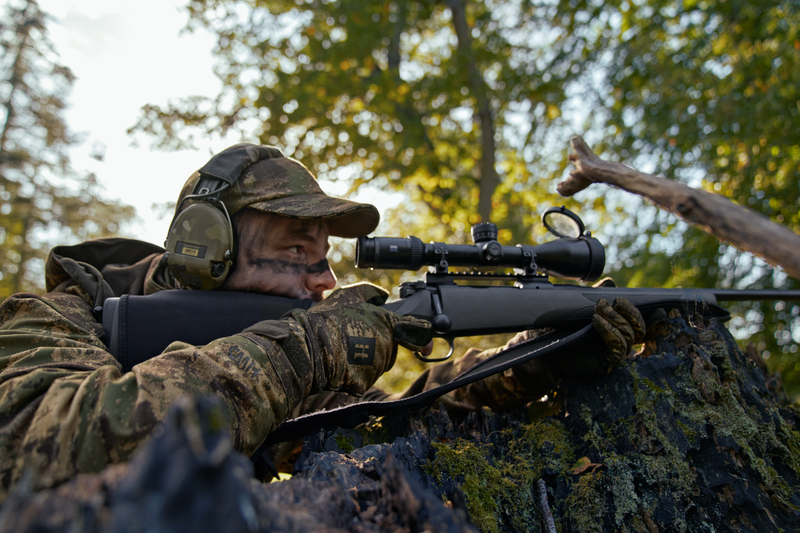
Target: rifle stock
[(137, 328)]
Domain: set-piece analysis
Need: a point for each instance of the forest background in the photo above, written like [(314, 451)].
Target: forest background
[(464, 108)]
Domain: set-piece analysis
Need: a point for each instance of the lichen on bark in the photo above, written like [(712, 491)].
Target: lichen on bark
[(683, 437)]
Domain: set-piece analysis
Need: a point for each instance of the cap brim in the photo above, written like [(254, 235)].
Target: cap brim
[(345, 218)]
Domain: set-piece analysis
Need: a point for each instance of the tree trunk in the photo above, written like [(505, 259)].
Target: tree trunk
[(488, 174), (15, 79), (743, 228), (685, 436)]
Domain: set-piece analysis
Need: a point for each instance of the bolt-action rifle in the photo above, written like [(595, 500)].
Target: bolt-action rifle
[(455, 303)]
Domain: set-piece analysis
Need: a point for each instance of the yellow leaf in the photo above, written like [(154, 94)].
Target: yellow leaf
[(583, 465)]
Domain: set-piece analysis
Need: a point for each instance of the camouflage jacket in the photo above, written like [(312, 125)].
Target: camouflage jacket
[(67, 408)]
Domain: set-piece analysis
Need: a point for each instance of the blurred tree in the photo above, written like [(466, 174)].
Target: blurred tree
[(450, 102), (42, 200), (464, 106), (705, 92)]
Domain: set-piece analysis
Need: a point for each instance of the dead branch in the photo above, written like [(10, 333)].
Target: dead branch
[(742, 227), (546, 513)]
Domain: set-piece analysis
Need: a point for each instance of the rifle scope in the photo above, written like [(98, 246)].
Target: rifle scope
[(581, 258)]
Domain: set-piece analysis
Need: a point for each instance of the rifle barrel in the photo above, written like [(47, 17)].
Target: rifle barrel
[(736, 295)]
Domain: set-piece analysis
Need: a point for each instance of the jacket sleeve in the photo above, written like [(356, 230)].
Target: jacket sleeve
[(67, 408)]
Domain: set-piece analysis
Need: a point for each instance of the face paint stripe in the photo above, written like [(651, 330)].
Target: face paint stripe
[(278, 265), (320, 267), (287, 267)]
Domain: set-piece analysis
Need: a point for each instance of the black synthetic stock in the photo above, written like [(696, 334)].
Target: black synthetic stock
[(138, 328), (487, 310)]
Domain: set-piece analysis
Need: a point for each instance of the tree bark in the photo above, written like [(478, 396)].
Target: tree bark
[(742, 227)]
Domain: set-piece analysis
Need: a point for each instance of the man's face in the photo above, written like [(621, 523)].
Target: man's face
[(281, 256)]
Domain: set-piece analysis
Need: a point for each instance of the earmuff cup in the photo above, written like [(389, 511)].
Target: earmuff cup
[(201, 246)]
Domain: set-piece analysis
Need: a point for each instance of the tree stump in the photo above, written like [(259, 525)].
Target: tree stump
[(685, 436)]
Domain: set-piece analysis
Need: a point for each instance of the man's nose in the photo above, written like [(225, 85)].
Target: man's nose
[(322, 281)]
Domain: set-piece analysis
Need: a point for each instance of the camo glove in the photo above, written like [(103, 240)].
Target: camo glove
[(354, 341), (620, 326)]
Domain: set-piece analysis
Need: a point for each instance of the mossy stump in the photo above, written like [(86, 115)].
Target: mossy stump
[(685, 436)]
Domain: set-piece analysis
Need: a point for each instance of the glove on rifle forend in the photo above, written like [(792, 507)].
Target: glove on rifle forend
[(620, 326), (350, 340)]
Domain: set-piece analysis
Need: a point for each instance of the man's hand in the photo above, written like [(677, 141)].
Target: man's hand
[(621, 326), (354, 340)]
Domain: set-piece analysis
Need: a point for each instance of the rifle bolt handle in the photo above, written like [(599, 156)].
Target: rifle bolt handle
[(441, 324)]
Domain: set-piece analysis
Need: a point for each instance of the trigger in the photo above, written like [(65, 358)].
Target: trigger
[(427, 359)]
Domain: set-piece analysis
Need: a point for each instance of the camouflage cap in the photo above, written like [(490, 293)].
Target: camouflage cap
[(284, 186)]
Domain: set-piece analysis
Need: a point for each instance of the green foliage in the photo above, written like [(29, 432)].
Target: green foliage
[(42, 201), (397, 96), (380, 93), (707, 93)]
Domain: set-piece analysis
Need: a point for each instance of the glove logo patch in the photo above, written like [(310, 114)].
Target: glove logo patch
[(361, 351)]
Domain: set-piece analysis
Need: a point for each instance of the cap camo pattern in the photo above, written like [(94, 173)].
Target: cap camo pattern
[(284, 186)]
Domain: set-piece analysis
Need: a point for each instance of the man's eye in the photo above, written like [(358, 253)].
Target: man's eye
[(295, 249)]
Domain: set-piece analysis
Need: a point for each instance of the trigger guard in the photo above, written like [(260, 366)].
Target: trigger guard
[(426, 359)]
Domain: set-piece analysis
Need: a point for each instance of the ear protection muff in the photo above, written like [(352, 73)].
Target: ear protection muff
[(200, 244)]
